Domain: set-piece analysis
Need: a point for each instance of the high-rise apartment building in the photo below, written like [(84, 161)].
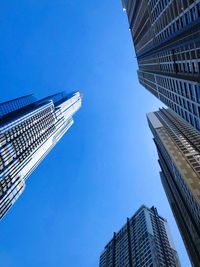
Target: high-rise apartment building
[(178, 146), (166, 36), (145, 240), (28, 131)]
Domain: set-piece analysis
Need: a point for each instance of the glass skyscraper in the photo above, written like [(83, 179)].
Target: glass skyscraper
[(178, 146), (29, 129), (144, 240), (166, 36)]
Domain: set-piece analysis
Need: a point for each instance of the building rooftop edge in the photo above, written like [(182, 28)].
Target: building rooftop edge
[(143, 206)]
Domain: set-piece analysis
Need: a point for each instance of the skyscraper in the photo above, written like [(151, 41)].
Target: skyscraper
[(144, 240), (166, 36), (28, 131), (178, 146)]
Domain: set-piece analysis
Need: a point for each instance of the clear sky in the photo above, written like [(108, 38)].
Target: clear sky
[(105, 167)]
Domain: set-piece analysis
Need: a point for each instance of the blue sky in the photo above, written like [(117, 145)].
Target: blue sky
[(105, 167)]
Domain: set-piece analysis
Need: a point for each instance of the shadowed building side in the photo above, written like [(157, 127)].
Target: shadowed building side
[(166, 36)]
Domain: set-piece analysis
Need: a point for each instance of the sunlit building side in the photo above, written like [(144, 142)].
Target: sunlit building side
[(145, 240), (29, 129), (178, 146)]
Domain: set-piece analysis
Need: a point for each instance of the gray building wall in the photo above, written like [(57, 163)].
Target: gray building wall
[(144, 240), (166, 36)]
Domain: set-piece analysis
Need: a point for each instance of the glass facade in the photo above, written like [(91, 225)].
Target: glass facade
[(144, 240), (166, 36), (15, 104), (28, 136), (178, 146)]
